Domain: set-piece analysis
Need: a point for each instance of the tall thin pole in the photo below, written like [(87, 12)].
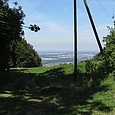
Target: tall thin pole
[(75, 42), (93, 26)]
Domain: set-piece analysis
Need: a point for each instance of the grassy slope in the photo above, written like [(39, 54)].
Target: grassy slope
[(52, 91)]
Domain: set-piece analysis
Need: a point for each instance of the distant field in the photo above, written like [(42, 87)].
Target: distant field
[(51, 58)]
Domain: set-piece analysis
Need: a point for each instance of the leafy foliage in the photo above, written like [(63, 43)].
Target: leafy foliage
[(11, 32), (109, 51), (107, 56), (11, 21), (34, 28), (23, 55)]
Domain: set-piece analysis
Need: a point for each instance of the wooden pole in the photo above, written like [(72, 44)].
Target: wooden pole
[(93, 26), (75, 42)]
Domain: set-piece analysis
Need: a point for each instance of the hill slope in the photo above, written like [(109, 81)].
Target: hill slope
[(52, 91)]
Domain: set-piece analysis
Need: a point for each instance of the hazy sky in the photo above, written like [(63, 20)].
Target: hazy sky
[(55, 18)]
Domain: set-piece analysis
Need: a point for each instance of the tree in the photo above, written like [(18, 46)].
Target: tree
[(109, 50), (11, 31), (23, 55), (11, 21)]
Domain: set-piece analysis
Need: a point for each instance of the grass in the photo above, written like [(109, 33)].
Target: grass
[(52, 91)]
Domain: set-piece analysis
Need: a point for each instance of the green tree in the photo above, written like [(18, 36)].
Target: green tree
[(109, 50), (23, 55), (11, 27), (11, 32)]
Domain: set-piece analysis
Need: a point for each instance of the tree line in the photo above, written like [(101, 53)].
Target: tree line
[(14, 49)]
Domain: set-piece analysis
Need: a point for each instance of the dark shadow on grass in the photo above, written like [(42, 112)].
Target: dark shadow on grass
[(50, 93)]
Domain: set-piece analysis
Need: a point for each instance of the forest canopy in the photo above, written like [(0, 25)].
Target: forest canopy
[(14, 50)]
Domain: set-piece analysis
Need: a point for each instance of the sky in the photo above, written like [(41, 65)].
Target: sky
[(55, 18)]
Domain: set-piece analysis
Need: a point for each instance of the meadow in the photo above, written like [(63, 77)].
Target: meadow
[(53, 91)]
